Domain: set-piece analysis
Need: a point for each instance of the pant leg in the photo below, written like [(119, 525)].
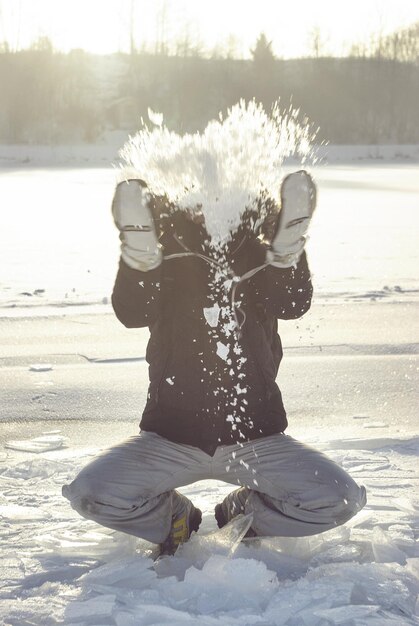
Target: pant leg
[(130, 487), (293, 490)]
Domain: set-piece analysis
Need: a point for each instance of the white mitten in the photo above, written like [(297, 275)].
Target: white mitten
[(139, 244), (298, 201)]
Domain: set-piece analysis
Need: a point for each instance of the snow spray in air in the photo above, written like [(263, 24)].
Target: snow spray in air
[(225, 169), (232, 168)]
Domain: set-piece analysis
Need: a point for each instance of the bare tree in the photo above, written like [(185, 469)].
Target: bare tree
[(232, 46), (161, 40), (317, 42), (184, 44), (402, 45), (132, 27)]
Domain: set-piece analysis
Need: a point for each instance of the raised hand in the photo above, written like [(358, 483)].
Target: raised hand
[(130, 209), (298, 201)]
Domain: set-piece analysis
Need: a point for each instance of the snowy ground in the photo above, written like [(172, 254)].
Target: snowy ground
[(59, 569), (73, 384), (60, 246)]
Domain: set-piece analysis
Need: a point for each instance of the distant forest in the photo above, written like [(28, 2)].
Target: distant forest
[(369, 97)]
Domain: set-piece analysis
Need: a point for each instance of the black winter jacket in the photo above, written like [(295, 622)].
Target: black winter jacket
[(207, 388)]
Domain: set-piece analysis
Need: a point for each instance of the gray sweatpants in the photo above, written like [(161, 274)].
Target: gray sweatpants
[(295, 490)]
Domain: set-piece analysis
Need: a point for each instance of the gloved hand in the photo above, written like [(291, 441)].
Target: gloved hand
[(298, 201), (139, 244)]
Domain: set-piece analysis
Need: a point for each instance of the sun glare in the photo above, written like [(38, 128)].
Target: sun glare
[(233, 27)]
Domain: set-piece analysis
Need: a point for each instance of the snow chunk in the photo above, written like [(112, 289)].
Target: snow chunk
[(154, 117), (212, 314), (222, 350)]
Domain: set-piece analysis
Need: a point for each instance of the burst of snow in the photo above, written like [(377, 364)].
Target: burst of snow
[(223, 170)]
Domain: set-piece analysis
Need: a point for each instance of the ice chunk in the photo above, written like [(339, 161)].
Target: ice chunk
[(86, 540), (12, 571), (305, 548), (16, 513), (222, 585), (266, 550), (66, 573), (98, 608), (44, 443), (223, 541), (339, 553), (148, 614), (413, 566), (176, 566), (384, 549), (132, 571), (348, 614), (383, 618), (35, 468), (300, 599), (40, 367), (212, 315), (200, 548), (406, 505), (245, 576), (402, 535), (380, 584), (32, 611), (222, 350)]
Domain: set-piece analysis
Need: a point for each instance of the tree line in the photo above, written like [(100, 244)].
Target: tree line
[(368, 97)]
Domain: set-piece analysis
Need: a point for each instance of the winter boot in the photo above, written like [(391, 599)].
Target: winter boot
[(231, 506), (185, 519)]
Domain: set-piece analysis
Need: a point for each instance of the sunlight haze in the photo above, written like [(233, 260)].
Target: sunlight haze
[(220, 27)]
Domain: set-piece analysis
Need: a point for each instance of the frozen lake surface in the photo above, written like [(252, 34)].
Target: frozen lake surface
[(72, 385), (60, 247), (59, 569)]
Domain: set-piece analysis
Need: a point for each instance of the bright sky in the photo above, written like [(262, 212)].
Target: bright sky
[(103, 25)]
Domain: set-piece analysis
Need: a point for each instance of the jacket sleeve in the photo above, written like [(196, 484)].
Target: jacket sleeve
[(287, 292), (136, 296)]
